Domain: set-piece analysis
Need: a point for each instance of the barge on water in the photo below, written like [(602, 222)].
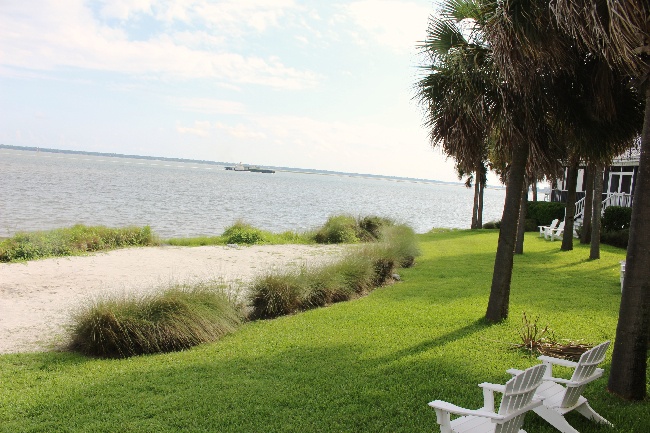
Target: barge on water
[(251, 168)]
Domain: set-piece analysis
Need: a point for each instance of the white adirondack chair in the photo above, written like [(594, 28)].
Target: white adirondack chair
[(557, 232), (518, 398), (544, 229), (561, 396)]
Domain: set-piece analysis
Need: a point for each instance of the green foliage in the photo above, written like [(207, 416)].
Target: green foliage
[(242, 233), (618, 238), (616, 218), (341, 229), (370, 365), (544, 212), (344, 229), (531, 225), (492, 225), (175, 319), (370, 227), (78, 239), (365, 268)]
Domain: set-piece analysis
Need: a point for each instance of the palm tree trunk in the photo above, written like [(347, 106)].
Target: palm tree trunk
[(627, 376), (477, 186), (521, 224), (571, 185), (594, 253), (585, 234), (533, 186), (479, 219), (498, 304)]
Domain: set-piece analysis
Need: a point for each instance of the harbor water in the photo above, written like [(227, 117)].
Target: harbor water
[(41, 190)]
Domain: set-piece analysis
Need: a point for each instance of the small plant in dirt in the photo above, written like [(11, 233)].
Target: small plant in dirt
[(536, 339), (176, 319)]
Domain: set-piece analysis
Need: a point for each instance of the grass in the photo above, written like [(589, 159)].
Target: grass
[(75, 240), (357, 273), (371, 364), (175, 319)]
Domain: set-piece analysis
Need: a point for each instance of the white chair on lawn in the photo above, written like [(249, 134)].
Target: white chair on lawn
[(544, 229), (561, 396), (557, 232), (518, 398)]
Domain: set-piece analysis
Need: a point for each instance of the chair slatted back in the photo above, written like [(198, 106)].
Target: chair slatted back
[(584, 370), (518, 393)]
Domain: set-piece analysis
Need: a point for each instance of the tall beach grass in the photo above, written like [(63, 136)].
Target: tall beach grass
[(75, 240), (174, 319)]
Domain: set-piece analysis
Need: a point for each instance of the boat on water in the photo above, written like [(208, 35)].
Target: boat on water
[(251, 168)]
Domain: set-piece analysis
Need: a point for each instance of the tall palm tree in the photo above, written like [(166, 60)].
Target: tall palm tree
[(528, 43), (619, 31), (469, 107)]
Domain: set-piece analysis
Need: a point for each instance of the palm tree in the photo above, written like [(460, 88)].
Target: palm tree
[(469, 108), (527, 44), (619, 31), (457, 107)]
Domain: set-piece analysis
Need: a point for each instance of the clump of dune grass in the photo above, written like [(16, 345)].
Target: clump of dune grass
[(243, 233), (360, 271), (175, 319), (341, 229), (78, 239)]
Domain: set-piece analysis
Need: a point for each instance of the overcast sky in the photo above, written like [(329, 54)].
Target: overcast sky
[(310, 84)]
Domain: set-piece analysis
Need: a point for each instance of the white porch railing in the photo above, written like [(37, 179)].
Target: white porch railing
[(613, 199)]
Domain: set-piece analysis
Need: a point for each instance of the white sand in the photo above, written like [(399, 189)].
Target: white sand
[(38, 297)]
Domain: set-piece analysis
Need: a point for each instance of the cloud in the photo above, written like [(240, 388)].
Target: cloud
[(64, 34), (398, 25), (240, 131), (210, 106), (201, 129)]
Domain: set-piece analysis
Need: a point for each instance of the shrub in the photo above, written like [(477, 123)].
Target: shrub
[(358, 272), (370, 227), (277, 295), (616, 218), (531, 225), (242, 233), (338, 230), (617, 238), (544, 212), (78, 239), (175, 319), (492, 225)]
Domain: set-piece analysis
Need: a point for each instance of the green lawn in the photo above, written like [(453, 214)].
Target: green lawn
[(367, 365)]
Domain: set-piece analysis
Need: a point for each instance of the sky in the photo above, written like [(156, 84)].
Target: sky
[(306, 84)]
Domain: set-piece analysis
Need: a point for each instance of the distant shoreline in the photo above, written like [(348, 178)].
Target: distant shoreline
[(220, 163)]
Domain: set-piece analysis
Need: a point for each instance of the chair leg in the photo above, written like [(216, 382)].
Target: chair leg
[(555, 419), (586, 411)]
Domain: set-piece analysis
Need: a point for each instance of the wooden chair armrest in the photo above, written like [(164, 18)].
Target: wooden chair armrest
[(457, 410), (492, 386), (443, 406), (558, 361)]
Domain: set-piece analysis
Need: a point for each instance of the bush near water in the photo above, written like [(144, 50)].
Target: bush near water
[(183, 317), (175, 319), (361, 270), (75, 240)]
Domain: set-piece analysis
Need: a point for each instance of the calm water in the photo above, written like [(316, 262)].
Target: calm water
[(47, 190)]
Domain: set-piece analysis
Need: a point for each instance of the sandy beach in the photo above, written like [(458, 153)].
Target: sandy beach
[(37, 298)]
